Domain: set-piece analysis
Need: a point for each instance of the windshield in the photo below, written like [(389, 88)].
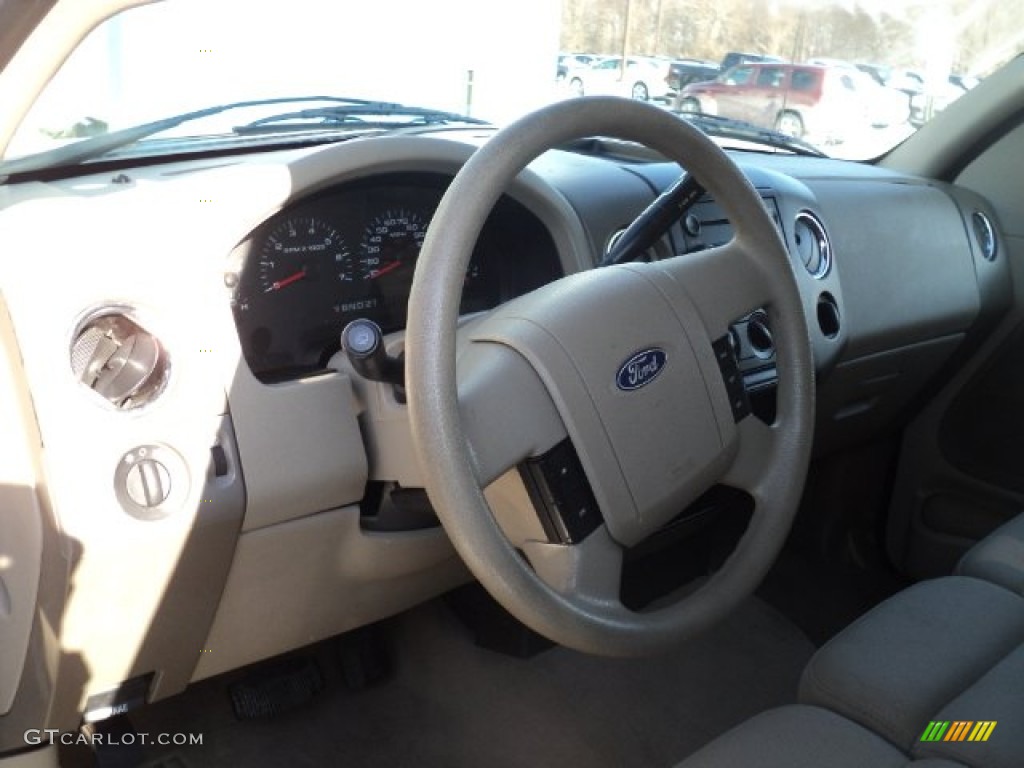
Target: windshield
[(849, 78)]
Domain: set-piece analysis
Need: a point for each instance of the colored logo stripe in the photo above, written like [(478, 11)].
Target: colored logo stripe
[(935, 731), (958, 730), (982, 731)]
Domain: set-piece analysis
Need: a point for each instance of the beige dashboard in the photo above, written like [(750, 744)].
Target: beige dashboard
[(219, 522), (257, 547)]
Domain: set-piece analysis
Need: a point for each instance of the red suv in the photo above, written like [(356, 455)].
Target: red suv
[(802, 100)]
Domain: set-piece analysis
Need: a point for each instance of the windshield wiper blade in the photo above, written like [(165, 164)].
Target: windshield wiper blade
[(728, 128), (97, 146), (355, 115)]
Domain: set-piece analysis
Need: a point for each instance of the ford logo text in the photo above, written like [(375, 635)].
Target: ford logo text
[(641, 369)]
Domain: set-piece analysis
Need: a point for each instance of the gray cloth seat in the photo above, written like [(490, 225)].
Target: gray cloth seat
[(999, 557), (949, 649), (804, 737), (946, 650)]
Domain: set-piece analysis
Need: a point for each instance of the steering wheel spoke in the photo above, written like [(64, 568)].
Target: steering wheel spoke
[(756, 440), (724, 283), (507, 412), (590, 571)]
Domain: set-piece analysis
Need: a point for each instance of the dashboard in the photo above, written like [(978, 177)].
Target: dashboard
[(350, 252), (272, 448)]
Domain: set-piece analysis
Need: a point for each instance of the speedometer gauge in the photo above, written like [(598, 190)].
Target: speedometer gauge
[(391, 243)]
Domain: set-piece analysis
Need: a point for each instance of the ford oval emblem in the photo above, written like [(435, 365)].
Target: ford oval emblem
[(641, 369)]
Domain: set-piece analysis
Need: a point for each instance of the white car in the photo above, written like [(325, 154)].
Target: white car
[(642, 78), (883, 105), (570, 62)]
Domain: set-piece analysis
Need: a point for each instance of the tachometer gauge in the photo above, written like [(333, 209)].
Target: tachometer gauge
[(391, 243), (300, 253), (296, 269)]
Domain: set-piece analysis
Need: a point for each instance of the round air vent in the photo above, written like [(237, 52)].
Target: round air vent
[(985, 234), (118, 359), (812, 244)]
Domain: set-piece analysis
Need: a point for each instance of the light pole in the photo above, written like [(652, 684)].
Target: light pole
[(657, 29), (625, 39)]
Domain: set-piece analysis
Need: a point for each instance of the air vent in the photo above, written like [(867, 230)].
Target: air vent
[(118, 359), (812, 244), (985, 234)]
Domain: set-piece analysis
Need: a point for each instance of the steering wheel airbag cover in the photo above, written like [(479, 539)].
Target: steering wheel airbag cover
[(642, 447)]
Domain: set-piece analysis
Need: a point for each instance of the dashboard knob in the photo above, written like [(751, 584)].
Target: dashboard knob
[(363, 342), (361, 338), (148, 483), (151, 482)]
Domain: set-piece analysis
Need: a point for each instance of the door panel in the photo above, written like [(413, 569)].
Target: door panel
[(732, 97), (34, 571), (21, 537), (767, 97), (982, 434)]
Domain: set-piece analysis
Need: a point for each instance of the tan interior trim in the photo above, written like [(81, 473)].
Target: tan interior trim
[(44, 52)]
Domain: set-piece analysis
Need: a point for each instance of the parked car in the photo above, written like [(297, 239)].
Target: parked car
[(884, 106), (732, 58), (568, 62), (642, 78), (682, 72), (926, 102), (907, 80), (879, 72), (824, 104)]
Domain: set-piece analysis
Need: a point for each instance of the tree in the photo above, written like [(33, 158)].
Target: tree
[(988, 32)]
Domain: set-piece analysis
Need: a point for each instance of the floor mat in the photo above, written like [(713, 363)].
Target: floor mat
[(451, 704), (821, 601)]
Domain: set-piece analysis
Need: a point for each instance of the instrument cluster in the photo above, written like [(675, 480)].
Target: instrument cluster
[(350, 252)]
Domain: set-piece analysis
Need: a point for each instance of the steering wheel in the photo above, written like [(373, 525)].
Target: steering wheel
[(614, 373)]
